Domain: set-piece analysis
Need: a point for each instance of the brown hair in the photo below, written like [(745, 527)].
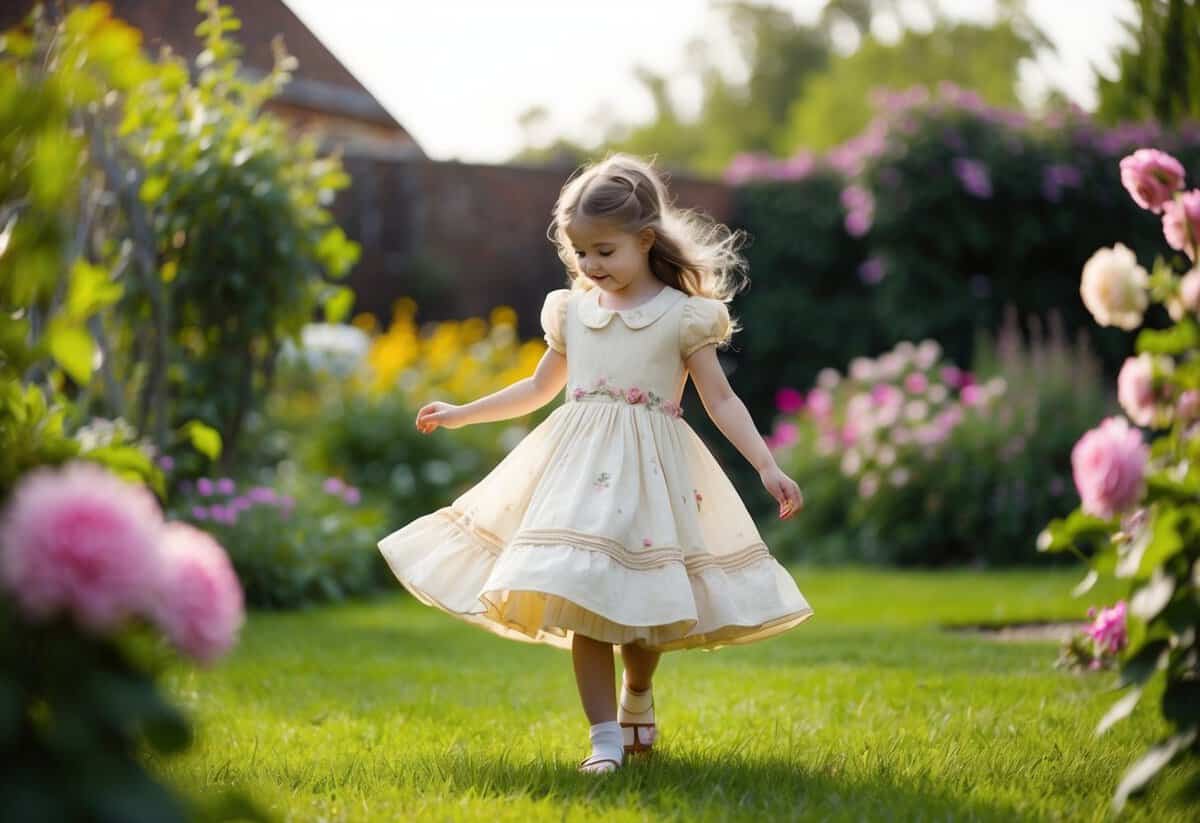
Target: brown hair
[(691, 252)]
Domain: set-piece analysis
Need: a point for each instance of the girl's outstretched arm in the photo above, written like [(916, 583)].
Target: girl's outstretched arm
[(730, 415), (515, 400)]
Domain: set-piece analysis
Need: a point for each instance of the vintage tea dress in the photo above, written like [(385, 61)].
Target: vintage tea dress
[(611, 517)]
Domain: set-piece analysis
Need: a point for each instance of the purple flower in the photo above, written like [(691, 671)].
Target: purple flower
[(204, 487), (166, 462), (871, 270), (225, 486), (352, 495), (1059, 176), (333, 485), (262, 494), (199, 513), (974, 176)]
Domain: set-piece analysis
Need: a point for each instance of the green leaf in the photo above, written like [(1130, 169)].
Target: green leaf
[(91, 289), (73, 349), (1181, 337), (1150, 764), (204, 439), (1119, 710), (338, 305), (127, 461), (1151, 598), (1148, 659), (1062, 534), (152, 189)]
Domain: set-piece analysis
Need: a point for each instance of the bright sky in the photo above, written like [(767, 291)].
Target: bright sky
[(457, 74)]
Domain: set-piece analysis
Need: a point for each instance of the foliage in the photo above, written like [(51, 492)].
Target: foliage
[(233, 208), (1158, 74), (294, 541), (1139, 519)]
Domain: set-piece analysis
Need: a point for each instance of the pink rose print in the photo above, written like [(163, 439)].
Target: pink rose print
[(635, 395), (579, 393), (699, 498), (646, 542)]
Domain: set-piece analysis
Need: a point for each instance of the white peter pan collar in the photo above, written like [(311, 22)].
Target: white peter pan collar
[(596, 316)]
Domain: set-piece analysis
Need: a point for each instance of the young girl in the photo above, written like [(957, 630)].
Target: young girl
[(611, 524)]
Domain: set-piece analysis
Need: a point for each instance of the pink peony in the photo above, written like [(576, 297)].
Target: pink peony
[(1135, 389), (1108, 630), (80, 539), (1181, 222), (789, 400), (635, 395), (1109, 466), (1151, 177), (201, 607)]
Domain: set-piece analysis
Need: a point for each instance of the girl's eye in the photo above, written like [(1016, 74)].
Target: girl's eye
[(606, 254)]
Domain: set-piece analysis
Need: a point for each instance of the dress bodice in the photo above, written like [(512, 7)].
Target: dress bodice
[(636, 356)]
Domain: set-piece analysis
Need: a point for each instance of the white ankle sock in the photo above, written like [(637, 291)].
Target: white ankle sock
[(607, 741)]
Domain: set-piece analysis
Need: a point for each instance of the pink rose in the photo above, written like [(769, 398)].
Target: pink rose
[(785, 434), (1151, 177), (578, 394), (1181, 222), (671, 408), (885, 394), (789, 400), (80, 539), (971, 395), (1188, 407), (1109, 467), (201, 607), (635, 395), (916, 382), (820, 403)]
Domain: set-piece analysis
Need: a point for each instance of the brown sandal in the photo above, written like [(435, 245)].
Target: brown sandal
[(638, 731)]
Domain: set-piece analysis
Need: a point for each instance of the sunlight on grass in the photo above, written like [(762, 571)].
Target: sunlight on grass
[(388, 710)]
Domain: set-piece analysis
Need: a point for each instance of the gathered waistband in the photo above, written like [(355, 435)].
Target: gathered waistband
[(628, 397)]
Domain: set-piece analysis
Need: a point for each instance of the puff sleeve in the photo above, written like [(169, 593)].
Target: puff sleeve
[(554, 315), (704, 320)]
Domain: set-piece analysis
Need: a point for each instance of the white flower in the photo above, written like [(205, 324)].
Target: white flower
[(862, 369), (996, 386), (1114, 287), (886, 456), (899, 476), (927, 354), (916, 410), (858, 405), (828, 378), (901, 436), (869, 484), (937, 393), (891, 365), (851, 462), (905, 349)]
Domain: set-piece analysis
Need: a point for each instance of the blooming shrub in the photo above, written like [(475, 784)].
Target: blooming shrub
[(1139, 517), (1098, 645), (909, 459)]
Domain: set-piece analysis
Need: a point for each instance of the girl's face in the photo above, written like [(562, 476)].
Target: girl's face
[(608, 256)]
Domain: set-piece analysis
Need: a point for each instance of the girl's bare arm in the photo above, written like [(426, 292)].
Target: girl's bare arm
[(730, 415), (519, 398)]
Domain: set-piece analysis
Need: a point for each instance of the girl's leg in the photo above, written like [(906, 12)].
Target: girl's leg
[(594, 673), (640, 664)]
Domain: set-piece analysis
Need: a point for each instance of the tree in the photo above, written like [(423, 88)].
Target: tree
[(1159, 72)]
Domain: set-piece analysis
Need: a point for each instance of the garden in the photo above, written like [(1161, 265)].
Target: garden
[(972, 340)]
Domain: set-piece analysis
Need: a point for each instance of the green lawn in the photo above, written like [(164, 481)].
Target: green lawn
[(389, 710)]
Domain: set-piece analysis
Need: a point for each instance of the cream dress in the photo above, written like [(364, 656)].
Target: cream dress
[(611, 517)]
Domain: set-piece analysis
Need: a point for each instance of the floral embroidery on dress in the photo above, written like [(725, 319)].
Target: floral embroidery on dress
[(601, 481), (699, 498), (646, 542), (634, 396)]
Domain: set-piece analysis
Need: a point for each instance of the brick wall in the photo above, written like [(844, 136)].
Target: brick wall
[(462, 238)]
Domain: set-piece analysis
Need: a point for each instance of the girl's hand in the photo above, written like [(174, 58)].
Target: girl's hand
[(783, 489), (437, 413)]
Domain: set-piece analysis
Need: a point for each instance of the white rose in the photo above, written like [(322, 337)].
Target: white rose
[(1114, 287), (862, 369), (937, 393), (828, 378), (916, 410), (886, 456), (868, 485), (851, 463), (928, 353)]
